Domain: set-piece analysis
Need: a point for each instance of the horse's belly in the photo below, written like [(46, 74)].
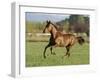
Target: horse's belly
[(61, 45), (60, 42)]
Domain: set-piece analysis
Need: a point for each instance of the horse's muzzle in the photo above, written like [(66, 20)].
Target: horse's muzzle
[(43, 31)]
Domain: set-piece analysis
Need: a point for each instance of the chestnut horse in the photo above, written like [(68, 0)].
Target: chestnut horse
[(59, 39)]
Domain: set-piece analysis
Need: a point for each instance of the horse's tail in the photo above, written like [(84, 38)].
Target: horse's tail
[(80, 40)]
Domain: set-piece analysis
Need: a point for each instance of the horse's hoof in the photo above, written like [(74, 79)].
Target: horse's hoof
[(54, 53), (68, 55), (64, 56), (44, 57)]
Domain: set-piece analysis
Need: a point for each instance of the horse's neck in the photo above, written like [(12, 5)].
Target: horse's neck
[(53, 32)]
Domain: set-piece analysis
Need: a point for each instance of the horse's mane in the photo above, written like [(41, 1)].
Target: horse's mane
[(54, 25)]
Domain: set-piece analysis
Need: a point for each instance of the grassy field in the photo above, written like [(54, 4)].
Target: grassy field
[(34, 55)]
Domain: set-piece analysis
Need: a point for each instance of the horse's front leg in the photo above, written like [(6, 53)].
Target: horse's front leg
[(52, 51), (45, 50)]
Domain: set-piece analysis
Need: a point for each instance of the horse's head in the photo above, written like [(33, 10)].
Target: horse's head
[(47, 27)]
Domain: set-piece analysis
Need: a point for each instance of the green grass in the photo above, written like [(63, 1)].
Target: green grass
[(34, 55)]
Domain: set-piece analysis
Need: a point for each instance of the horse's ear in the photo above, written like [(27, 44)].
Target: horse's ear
[(47, 21)]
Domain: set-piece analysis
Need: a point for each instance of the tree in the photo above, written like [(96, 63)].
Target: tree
[(79, 24)]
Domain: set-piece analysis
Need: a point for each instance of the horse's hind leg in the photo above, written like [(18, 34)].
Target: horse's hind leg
[(45, 50), (68, 49), (51, 51)]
